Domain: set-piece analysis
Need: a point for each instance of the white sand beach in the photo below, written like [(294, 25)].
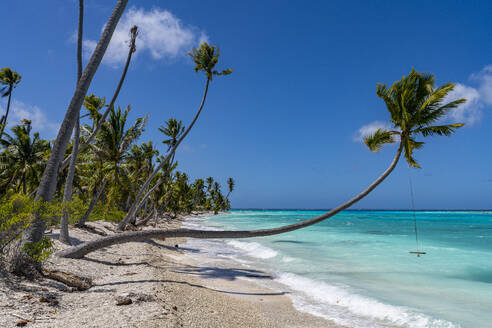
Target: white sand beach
[(166, 289)]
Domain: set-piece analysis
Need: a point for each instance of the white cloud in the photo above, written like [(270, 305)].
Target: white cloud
[(469, 112), (40, 122), (161, 34), (477, 98), (370, 128)]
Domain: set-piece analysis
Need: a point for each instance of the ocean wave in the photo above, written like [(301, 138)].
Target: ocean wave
[(345, 308), (253, 249)]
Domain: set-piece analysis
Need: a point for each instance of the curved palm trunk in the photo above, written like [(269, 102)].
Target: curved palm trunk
[(145, 220), (92, 204), (67, 194), (132, 211), (87, 247), (19, 261), (108, 109), (145, 197), (3, 122)]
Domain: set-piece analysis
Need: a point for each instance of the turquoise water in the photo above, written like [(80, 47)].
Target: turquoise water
[(355, 268)]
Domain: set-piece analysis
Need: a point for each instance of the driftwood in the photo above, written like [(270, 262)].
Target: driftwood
[(69, 279), (91, 229)]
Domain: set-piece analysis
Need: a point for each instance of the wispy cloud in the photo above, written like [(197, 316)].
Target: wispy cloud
[(484, 78), (40, 121), (161, 34), (369, 129)]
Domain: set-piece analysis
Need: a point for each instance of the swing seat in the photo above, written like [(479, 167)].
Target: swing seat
[(418, 253)]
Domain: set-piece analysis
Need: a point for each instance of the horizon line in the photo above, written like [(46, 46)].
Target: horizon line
[(357, 209)]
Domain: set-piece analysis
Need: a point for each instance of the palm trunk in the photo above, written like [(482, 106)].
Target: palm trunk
[(87, 247), (92, 204), (19, 260), (131, 212), (3, 122), (145, 220), (67, 194), (108, 109), (145, 197)]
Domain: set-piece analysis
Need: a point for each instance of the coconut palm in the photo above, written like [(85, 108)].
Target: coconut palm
[(205, 58), (414, 105), (10, 79), (112, 146), (23, 159), (19, 261), (174, 129), (67, 193), (131, 50)]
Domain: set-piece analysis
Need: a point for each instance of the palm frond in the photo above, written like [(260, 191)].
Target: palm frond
[(441, 130), (378, 139)]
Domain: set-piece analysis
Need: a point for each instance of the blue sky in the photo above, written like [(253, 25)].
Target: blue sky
[(286, 123)]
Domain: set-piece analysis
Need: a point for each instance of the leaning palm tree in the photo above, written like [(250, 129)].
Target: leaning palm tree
[(19, 261), (67, 193), (173, 130), (414, 105), (10, 79), (205, 58), (131, 50)]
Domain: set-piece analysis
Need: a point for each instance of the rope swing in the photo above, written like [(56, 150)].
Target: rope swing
[(418, 252)]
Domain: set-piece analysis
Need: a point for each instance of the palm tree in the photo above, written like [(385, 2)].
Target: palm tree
[(414, 105), (231, 184), (67, 194), (131, 50), (22, 159), (205, 58), (10, 79), (174, 129), (19, 261), (112, 146)]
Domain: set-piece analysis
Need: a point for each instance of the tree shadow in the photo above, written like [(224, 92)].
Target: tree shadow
[(222, 273), (171, 248), (74, 241), (189, 284), (114, 263)]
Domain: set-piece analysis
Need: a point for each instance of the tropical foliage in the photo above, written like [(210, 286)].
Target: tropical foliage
[(416, 109), (115, 159)]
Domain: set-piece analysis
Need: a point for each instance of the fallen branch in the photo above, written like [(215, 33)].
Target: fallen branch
[(69, 279)]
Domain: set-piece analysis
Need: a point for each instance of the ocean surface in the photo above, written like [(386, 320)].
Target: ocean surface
[(356, 270)]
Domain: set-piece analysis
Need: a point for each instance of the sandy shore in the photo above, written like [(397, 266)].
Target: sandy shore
[(166, 289)]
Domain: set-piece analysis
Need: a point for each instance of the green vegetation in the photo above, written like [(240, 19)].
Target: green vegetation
[(414, 106)]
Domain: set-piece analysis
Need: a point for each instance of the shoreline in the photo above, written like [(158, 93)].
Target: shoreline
[(166, 289)]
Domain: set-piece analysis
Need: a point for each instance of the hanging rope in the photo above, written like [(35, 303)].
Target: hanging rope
[(412, 198)]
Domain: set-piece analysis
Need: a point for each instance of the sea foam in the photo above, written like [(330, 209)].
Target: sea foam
[(339, 305), (253, 249)]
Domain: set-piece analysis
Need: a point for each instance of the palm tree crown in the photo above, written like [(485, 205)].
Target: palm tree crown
[(23, 158), (414, 105), (10, 79), (205, 58), (174, 129)]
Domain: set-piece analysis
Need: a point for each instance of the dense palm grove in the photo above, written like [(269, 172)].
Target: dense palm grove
[(110, 169)]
